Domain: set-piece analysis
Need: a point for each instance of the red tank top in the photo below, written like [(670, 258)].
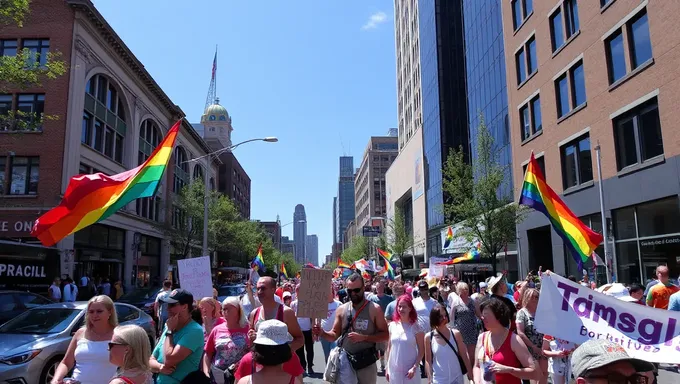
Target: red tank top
[(505, 356)]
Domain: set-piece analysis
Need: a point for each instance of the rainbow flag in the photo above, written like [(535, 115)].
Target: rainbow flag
[(282, 271), (449, 237), (258, 261), (473, 254), (537, 194), (389, 271), (90, 199), (342, 264), (362, 264), (385, 254)]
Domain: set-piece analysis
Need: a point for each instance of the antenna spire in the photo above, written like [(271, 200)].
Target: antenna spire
[(212, 90)]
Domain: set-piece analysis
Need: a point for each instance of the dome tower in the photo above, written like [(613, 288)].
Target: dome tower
[(217, 124)]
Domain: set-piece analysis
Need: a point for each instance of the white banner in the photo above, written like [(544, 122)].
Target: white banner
[(195, 276), (575, 313)]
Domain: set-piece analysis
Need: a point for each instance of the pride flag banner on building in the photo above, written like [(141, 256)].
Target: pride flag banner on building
[(537, 194), (569, 311), (90, 199)]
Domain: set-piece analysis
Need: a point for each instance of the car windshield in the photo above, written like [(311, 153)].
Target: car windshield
[(41, 321), (140, 294), (231, 290)]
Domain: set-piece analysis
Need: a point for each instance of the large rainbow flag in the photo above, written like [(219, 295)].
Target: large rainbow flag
[(258, 261), (473, 254), (90, 199), (537, 194)]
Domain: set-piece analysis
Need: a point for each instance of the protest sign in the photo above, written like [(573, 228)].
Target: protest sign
[(435, 269), (194, 276), (569, 311), (315, 287)]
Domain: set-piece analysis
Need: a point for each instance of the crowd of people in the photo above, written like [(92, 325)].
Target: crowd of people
[(441, 329)]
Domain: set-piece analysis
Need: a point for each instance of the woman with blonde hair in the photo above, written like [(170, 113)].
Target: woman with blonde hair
[(529, 334), (87, 353), (210, 314), (129, 350), (227, 343)]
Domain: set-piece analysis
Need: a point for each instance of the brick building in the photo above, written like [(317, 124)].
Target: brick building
[(235, 183), (587, 73), (110, 114)]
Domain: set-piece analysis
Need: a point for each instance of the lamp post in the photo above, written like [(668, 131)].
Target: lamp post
[(206, 181)]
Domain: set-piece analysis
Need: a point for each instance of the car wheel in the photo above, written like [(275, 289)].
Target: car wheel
[(50, 369)]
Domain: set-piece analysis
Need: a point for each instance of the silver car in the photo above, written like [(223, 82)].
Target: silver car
[(33, 343)]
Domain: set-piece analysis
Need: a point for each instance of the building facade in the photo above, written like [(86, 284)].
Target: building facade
[(589, 74), (370, 190), (444, 101), (287, 245), (409, 114), (300, 233), (345, 206), (235, 183), (273, 229), (312, 249), (110, 116)]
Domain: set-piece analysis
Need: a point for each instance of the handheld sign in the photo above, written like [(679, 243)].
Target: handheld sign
[(195, 277), (315, 286)]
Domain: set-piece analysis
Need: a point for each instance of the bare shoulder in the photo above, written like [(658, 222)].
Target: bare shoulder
[(80, 333), (244, 380), (116, 381)]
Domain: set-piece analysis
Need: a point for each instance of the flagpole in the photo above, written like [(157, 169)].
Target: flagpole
[(602, 215)]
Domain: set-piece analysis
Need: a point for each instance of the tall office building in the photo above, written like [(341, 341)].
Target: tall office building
[(287, 245), (300, 233), (409, 111), (312, 249), (345, 206), (370, 191), (604, 74), (335, 220), (444, 105)]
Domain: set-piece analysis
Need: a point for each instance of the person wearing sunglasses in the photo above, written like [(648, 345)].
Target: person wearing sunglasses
[(601, 361), (129, 350)]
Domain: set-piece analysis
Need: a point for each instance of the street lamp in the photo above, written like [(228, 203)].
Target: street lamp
[(206, 181)]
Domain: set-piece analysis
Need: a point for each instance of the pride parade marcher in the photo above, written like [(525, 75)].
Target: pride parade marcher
[(446, 357), (405, 347)]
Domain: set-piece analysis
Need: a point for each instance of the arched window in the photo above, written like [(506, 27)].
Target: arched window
[(181, 170), (198, 172), (212, 183), (103, 128), (149, 138)]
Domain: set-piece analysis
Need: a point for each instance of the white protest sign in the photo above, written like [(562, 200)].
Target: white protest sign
[(195, 277), (315, 287), (569, 311)]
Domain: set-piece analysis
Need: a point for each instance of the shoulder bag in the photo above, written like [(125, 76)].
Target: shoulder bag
[(365, 357), (463, 368)]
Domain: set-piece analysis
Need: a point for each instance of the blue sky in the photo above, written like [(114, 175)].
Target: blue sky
[(317, 74)]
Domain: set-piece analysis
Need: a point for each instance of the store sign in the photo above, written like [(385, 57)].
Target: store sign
[(19, 226), (660, 241), (28, 274)]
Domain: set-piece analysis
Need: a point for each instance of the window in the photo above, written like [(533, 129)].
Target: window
[(26, 115), (198, 172), (24, 174), (530, 118), (525, 60), (126, 313), (8, 47), (570, 90), (149, 139), (3, 168), (639, 47), (564, 24), (541, 165), (521, 9), (38, 50), (104, 126), (181, 175), (637, 135), (577, 165), (616, 60)]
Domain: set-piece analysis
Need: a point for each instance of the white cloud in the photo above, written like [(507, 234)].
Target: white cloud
[(375, 20)]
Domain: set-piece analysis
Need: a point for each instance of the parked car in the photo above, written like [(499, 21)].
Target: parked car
[(142, 298), (14, 303), (229, 290), (34, 342)]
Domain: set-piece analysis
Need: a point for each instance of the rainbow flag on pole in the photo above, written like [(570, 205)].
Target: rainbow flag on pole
[(449, 237), (385, 254), (342, 264), (90, 199), (258, 261), (537, 194), (283, 272)]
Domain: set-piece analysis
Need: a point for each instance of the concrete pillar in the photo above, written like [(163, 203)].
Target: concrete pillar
[(66, 256), (129, 260)]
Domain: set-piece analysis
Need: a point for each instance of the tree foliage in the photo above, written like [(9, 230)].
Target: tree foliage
[(355, 251), (399, 239), (13, 12), (479, 199)]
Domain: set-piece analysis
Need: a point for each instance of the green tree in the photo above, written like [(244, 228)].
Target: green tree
[(292, 267), (399, 238), (24, 70), (479, 199), (355, 251)]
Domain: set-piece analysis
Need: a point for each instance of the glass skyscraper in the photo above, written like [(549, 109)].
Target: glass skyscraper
[(444, 106), (345, 205), (486, 86)]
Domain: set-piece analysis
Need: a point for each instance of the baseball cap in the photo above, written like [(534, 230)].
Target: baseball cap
[(272, 332), (181, 296), (597, 353), (286, 294)]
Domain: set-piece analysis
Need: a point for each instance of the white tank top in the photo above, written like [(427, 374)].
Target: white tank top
[(445, 368), (92, 362)]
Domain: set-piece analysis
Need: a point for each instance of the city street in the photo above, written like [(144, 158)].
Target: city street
[(665, 377)]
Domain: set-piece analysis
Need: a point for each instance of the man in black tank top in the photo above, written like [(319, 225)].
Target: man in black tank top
[(363, 324)]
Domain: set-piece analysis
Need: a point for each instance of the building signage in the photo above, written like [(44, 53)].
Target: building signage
[(458, 244), (371, 231), (34, 274), (16, 225), (660, 241)]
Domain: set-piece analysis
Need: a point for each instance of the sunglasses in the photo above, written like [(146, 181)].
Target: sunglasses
[(616, 378), (170, 305), (113, 344), (354, 290)]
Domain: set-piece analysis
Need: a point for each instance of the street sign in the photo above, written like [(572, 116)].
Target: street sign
[(371, 231)]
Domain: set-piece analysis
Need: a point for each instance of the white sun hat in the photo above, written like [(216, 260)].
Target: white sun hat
[(617, 290), (272, 332)]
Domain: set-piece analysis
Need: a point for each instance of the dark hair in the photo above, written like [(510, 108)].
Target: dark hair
[(499, 309), (436, 316), (354, 277), (635, 287), (167, 283), (572, 278), (271, 355)]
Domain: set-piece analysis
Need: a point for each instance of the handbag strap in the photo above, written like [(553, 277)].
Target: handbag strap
[(350, 323), (460, 360)]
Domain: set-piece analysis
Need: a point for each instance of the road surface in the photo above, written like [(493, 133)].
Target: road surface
[(665, 376)]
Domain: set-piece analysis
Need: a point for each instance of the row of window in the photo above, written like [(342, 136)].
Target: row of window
[(19, 175), (37, 49), (637, 139), (26, 107)]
